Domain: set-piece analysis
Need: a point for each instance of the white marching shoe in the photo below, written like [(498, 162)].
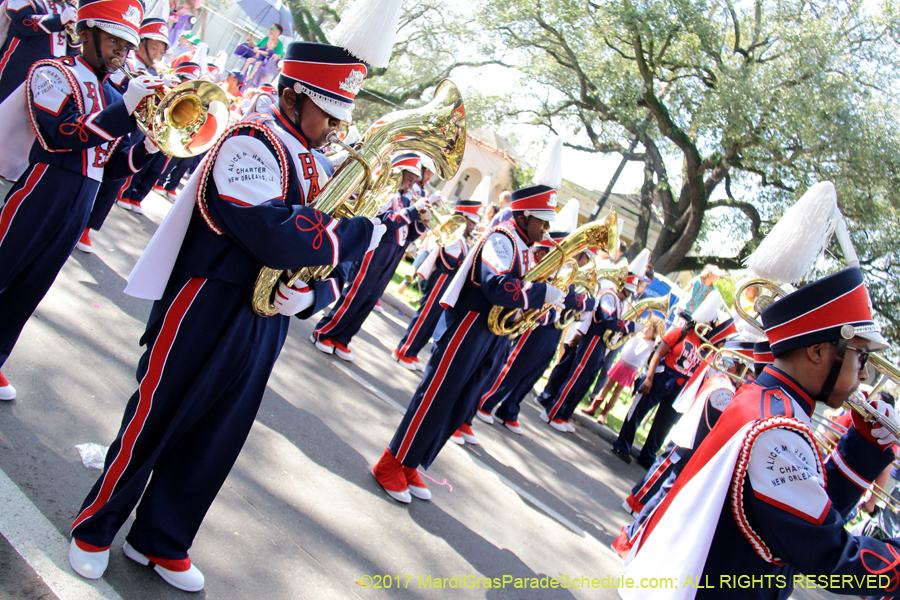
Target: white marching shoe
[(90, 565), (189, 580)]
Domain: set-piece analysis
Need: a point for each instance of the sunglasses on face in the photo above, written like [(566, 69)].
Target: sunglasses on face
[(862, 356)]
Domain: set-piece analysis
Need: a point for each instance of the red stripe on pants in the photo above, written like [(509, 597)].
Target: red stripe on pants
[(147, 389)]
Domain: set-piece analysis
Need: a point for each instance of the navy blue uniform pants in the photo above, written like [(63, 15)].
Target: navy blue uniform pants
[(201, 381), (45, 213), (143, 181), (109, 191), (359, 297), (663, 392), (422, 324), (464, 357), (174, 171), (573, 377), (527, 361)]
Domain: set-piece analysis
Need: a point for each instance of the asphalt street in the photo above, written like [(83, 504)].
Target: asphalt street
[(301, 515)]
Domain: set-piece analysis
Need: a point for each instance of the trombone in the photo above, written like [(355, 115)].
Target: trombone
[(182, 121), (719, 359), (827, 434)]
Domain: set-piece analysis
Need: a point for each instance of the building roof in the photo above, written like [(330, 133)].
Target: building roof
[(493, 143)]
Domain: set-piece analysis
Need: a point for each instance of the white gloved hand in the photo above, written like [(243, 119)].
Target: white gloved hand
[(880, 432), (171, 80), (291, 300), (68, 15), (149, 146), (554, 295), (139, 88), (423, 206), (436, 198), (379, 231)]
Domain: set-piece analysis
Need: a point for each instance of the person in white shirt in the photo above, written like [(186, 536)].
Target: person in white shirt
[(634, 354)]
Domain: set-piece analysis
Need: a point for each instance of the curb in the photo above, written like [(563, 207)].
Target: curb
[(397, 303)]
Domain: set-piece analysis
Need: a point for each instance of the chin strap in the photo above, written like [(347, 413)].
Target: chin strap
[(102, 64), (835, 371)]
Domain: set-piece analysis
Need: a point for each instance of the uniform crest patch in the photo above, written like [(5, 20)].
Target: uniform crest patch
[(353, 82), (133, 16)]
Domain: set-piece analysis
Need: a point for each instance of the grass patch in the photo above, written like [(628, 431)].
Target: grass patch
[(411, 295)]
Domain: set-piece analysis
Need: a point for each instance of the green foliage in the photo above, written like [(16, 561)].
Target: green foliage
[(726, 286), (748, 103)]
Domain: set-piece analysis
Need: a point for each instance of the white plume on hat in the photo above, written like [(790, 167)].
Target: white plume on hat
[(160, 10), (799, 238), (549, 169), (200, 57), (368, 29), (639, 265), (567, 217), (482, 191), (747, 331), (708, 309)]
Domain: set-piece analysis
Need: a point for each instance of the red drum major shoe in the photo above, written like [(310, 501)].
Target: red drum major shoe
[(417, 487), (389, 474)]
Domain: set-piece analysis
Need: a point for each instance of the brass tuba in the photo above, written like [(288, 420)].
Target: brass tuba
[(592, 235), (614, 339), (437, 129), (185, 120)]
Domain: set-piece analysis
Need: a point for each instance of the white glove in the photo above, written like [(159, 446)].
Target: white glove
[(171, 80), (68, 15), (291, 300), (554, 295), (436, 198), (880, 432), (149, 146), (423, 206), (139, 88), (379, 231)]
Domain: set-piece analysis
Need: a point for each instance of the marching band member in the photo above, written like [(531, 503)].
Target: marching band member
[(673, 363), (142, 182), (710, 398), (534, 349), (80, 122), (154, 36), (438, 271), (466, 351), (584, 355), (402, 218), (209, 355), (37, 30), (754, 496)]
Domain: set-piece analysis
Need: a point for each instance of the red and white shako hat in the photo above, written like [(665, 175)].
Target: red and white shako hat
[(762, 355), (267, 88), (722, 330), (469, 209), (155, 29), (332, 75), (631, 282), (189, 71), (566, 222), (408, 162), (832, 308), (539, 200), (121, 18)]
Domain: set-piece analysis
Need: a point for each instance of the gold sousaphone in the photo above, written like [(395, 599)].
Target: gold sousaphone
[(182, 121), (437, 130), (605, 235)]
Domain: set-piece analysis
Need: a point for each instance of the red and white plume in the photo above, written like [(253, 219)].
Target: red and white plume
[(368, 29)]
